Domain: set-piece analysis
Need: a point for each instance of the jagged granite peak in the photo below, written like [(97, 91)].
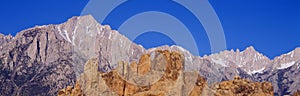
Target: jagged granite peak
[(43, 59), (249, 60), (287, 60), (5, 39), (250, 49), (91, 39)]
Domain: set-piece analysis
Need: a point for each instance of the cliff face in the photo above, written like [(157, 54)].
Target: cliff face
[(35, 62), (44, 59)]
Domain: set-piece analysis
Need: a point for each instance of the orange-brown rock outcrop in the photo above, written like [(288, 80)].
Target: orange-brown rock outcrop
[(158, 74), (243, 87)]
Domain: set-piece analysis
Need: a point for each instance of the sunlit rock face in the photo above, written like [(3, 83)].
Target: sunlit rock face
[(162, 75), (44, 59)]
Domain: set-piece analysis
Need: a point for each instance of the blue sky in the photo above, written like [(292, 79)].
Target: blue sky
[(271, 26)]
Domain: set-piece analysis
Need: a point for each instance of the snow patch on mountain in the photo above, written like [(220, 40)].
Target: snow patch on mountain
[(220, 62), (286, 65), (67, 36), (257, 71)]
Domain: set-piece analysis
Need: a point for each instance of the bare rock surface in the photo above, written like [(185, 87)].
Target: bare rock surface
[(243, 87), (174, 82)]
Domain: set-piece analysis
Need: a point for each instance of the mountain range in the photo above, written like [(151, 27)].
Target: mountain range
[(41, 60)]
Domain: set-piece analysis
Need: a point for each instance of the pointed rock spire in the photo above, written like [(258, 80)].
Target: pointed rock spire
[(250, 49)]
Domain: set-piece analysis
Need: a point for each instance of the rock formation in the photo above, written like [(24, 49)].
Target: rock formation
[(70, 91), (125, 80), (297, 93), (243, 87), (163, 77)]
